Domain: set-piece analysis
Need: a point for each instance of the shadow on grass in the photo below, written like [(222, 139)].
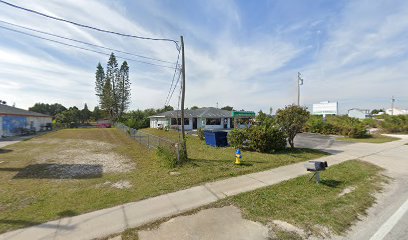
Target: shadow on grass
[(218, 162), (57, 171), (295, 151), (331, 183), (25, 223), (67, 213), (5, 150)]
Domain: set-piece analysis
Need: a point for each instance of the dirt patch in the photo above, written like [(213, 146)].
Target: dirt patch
[(122, 185), (75, 157), (347, 191)]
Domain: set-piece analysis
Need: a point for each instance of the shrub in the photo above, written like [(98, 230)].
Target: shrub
[(237, 137), (266, 139), (167, 157), (395, 124), (292, 119), (338, 125), (200, 133)]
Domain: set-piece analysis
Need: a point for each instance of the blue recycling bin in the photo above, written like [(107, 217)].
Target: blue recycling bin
[(216, 138)]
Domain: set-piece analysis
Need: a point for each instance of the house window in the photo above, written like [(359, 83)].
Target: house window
[(213, 121), (175, 122)]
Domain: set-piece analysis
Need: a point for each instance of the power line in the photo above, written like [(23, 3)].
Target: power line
[(86, 49), (89, 27), (86, 43), (172, 81), (178, 79)]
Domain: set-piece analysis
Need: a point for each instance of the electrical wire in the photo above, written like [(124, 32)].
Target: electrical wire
[(86, 49), (86, 43), (87, 26), (178, 79), (172, 81)]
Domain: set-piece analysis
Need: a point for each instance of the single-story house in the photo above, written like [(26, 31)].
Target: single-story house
[(359, 113), (13, 121), (396, 111), (208, 118)]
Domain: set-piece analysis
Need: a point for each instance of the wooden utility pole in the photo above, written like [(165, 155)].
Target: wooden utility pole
[(183, 95)]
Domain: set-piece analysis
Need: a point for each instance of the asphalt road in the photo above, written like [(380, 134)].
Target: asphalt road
[(317, 141)]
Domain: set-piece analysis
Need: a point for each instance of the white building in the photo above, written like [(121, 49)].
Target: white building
[(396, 111), (206, 118), (13, 121), (359, 113)]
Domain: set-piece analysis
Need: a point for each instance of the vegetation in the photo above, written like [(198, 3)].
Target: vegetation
[(312, 206), (113, 88), (265, 136), (31, 193), (168, 157), (73, 117), (48, 109), (200, 133), (375, 138), (337, 125), (292, 120), (140, 119), (395, 124)]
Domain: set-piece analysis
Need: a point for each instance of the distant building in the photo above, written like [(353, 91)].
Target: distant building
[(15, 121), (396, 111), (325, 108), (359, 113), (206, 118)]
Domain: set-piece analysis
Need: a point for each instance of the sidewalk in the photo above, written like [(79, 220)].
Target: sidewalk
[(115, 220)]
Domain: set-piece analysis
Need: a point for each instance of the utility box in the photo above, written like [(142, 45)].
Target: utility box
[(216, 138)]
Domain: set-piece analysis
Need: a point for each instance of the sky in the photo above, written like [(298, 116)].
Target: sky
[(245, 54)]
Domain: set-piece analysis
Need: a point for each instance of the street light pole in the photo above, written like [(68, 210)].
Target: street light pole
[(300, 82)]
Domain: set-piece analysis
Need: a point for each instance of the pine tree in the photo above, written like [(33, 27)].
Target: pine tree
[(99, 80), (112, 74), (123, 88)]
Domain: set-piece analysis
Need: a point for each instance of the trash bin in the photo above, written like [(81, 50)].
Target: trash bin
[(216, 138)]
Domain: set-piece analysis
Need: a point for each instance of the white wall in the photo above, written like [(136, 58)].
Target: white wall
[(154, 122)]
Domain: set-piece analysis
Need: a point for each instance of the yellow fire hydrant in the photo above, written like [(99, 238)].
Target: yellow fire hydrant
[(238, 157)]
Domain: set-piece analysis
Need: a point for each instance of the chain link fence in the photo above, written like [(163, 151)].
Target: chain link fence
[(149, 140)]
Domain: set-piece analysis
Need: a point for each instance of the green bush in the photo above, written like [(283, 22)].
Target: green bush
[(200, 133), (338, 125), (395, 124), (237, 137), (167, 157), (258, 138), (266, 139)]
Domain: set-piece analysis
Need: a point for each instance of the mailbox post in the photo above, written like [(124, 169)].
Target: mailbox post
[(316, 167)]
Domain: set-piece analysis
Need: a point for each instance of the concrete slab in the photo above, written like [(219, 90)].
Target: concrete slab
[(233, 186), (217, 223), (191, 198)]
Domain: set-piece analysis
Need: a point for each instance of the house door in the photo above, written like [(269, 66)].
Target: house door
[(231, 123), (194, 123), (225, 123)]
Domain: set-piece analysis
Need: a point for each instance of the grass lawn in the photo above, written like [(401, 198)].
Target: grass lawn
[(74, 171), (377, 138), (311, 206)]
